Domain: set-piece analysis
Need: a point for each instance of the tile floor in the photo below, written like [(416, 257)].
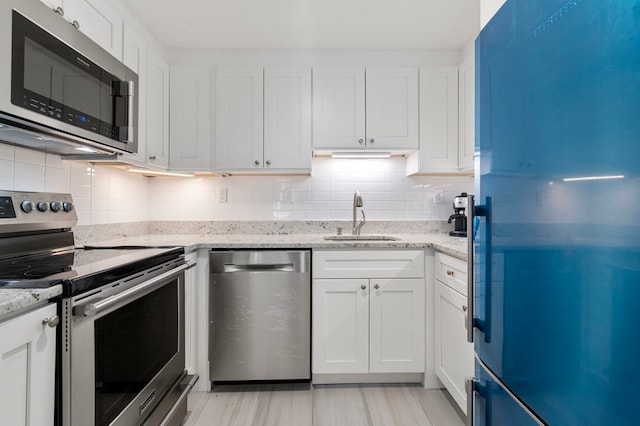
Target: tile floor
[(327, 405)]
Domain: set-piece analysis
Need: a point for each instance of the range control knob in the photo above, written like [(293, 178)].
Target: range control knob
[(27, 206), (55, 206), (67, 206), (43, 206)]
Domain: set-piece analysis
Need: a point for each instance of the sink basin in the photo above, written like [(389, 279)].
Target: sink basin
[(361, 238)]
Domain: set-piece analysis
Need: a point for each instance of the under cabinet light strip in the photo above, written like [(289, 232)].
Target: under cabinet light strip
[(360, 155), (159, 173)]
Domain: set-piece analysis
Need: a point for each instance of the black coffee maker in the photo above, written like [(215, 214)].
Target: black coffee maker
[(458, 217)]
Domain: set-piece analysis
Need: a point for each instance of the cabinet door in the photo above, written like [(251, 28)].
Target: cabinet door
[(99, 21), (239, 118), (27, 368), (134, 56), (189, 140), (453, 354), (157, 110), (287, 118), (392, 108), (438, 119), (466, 114), (340, 324), (338, 108), (397, 326), (53, 4)]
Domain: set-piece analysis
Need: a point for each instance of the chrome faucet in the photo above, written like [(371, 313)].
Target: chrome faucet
[(357, 202)]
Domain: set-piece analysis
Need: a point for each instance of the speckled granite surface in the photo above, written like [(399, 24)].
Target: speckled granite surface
[(442, 242), (12, 301), (270, 234)]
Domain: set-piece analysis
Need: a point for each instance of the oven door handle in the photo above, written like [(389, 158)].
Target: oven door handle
[(91, 309)]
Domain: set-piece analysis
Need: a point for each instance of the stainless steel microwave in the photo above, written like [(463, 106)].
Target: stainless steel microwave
[(60, 91)]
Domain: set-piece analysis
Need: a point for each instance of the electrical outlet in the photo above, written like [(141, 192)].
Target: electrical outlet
[(438, 196), (223, 195), (287, 196)]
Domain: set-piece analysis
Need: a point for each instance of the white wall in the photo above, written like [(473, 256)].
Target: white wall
[(488, 8), (325, 195), (101, 195)]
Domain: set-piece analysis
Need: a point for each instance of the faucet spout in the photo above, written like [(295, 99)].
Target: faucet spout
[(357, 202)]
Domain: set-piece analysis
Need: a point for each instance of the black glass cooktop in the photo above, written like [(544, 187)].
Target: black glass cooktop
[(80, 270)]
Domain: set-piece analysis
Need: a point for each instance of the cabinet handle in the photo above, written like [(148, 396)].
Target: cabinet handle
[(257, 163), (464, 308), (450, 273), (360, 141), (371, 140), (76, 24), (268, 162), (59, 11), (51, 322), (363, 287), (376, 286), (152, 157)]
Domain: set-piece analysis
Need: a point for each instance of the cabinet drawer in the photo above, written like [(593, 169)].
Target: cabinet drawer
[(452, 272), (368, 264)]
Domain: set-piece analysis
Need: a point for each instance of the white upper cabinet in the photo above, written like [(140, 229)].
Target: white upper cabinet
[(95, 18), (239, 118), (438, 122), (263, 119), (189, 113), (373, 109), (157, 110), (392, 108), (287, 118), (338, 108), (134, 56), (466, 115)]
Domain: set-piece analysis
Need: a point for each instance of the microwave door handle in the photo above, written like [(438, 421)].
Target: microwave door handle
[(130, 104), (126, 89)]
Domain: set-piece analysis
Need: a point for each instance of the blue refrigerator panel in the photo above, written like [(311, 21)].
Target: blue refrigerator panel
[(493, 406), (558, 252)]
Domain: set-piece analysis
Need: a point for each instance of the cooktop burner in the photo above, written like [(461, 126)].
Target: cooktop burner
[(79, 270)]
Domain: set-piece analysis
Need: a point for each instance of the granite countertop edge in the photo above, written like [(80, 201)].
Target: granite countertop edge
[(14, 301), (454, 246)]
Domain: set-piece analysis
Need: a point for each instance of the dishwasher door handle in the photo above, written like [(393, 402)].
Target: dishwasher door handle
[(277, 267)]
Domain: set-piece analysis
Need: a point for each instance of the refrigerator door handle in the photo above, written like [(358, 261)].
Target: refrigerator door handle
[(470, 238), (470, 385)]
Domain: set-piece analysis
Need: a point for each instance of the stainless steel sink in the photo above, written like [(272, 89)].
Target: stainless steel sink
[(361, 238)]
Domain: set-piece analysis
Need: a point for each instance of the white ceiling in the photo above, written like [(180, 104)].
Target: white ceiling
[(310, 24)]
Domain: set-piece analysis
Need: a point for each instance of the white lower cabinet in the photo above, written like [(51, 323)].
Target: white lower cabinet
[(368, 324), (27, 368), (453, 354)]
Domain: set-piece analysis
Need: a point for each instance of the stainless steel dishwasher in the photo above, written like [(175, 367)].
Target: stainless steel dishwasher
[(260, 316)]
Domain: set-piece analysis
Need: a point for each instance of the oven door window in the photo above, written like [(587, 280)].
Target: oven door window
[(132, 344)]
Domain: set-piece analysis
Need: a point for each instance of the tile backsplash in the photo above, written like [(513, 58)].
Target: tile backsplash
[(101, 195), (105, 195), (325, 195)]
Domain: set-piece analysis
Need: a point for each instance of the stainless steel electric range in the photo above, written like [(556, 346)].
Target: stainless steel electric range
[(120, 347)]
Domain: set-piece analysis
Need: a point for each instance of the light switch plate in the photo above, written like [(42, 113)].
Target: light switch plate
[(223, 195)]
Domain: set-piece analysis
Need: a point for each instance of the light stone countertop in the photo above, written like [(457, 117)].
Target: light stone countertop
[(453, 246), (14, 300)]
